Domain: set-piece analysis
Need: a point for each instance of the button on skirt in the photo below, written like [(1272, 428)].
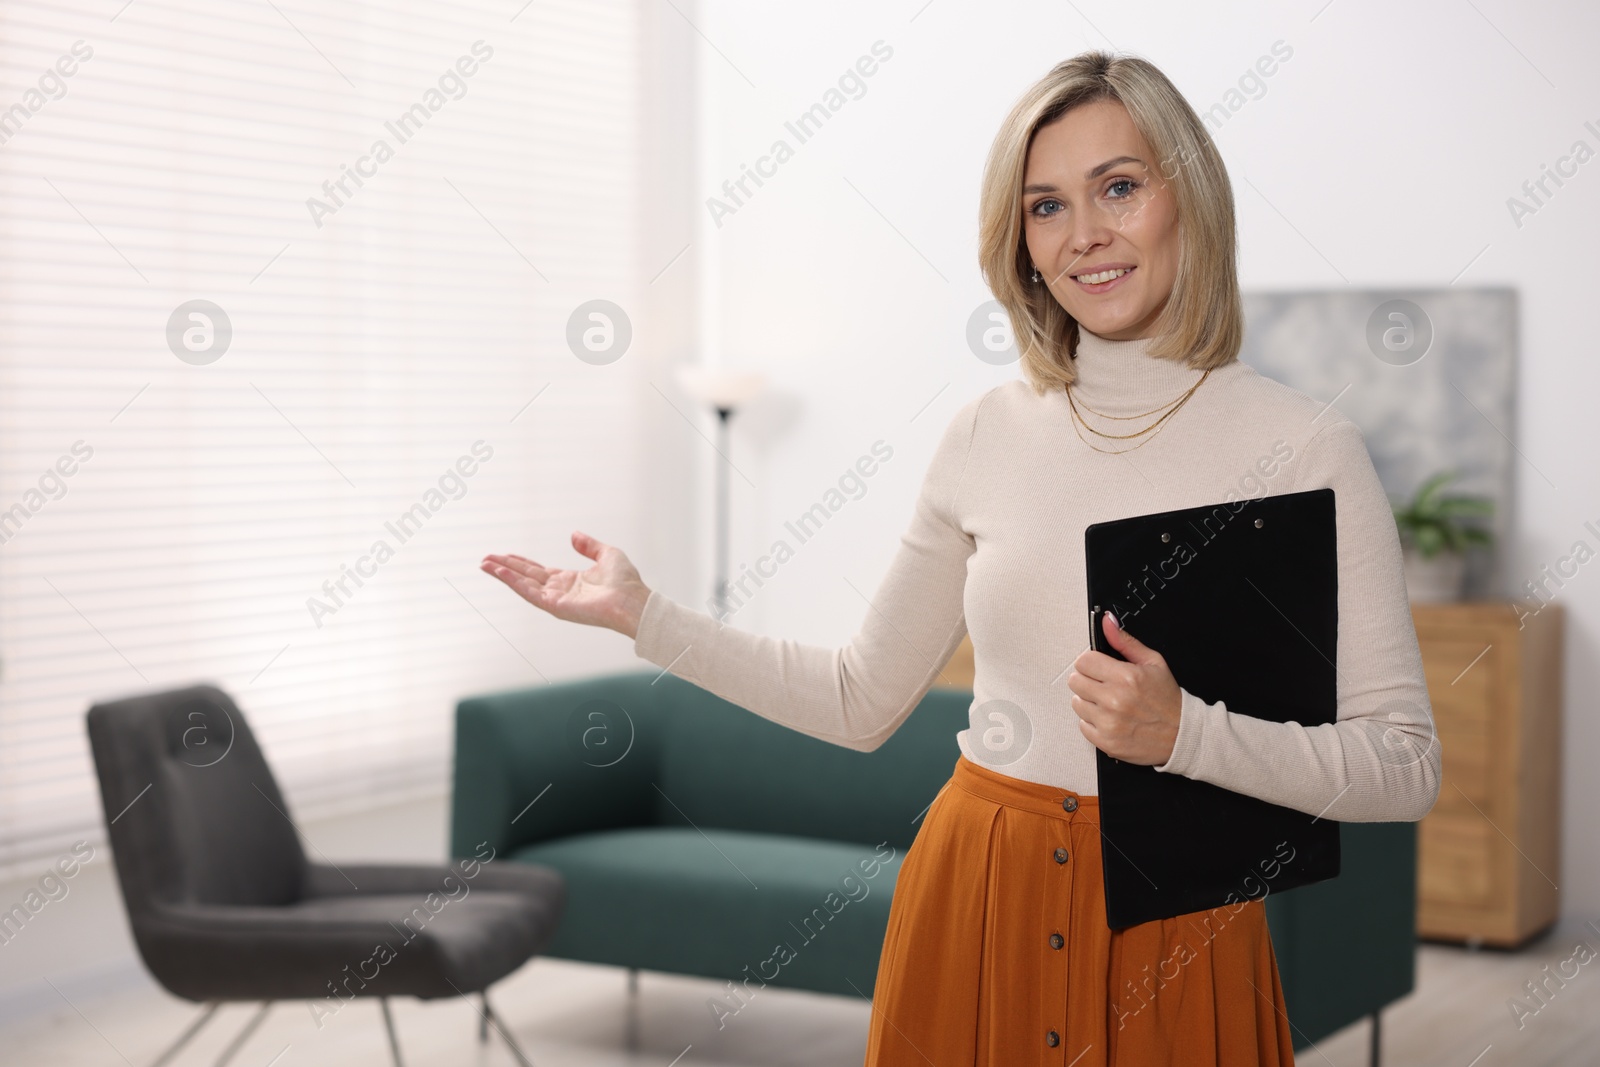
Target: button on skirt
[(998, 954)]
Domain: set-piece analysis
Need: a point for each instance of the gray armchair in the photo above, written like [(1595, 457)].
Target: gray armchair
[(224, 905)]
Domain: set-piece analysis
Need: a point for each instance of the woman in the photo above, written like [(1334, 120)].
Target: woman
[(1107, 233)]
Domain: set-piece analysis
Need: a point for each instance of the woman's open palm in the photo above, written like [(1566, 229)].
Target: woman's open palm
[(609, 594)]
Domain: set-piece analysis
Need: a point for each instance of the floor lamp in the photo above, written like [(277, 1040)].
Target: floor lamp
[(724, 392)]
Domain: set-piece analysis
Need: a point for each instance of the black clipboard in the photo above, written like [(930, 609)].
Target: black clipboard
[(1242, 601)]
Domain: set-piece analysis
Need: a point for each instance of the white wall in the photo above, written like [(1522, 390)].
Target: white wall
[(1382, 153)]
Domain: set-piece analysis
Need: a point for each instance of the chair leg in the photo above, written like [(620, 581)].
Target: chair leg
[(1376, 1052), (483, 1020), (388, 1024), (188, 1035), (491, 1016), (244, 1035)]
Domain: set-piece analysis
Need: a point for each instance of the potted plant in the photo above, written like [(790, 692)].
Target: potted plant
[(1436, 530)]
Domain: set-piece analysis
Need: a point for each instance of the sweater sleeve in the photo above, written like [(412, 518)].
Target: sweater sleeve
[(1379, 761), (857, 695)]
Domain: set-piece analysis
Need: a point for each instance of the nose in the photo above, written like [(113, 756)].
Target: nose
[(1091, 231), (1096, 227)]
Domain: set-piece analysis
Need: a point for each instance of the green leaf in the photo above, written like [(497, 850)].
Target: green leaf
[(1460, 506), (1431, 521), (1429, 540), (1424, 499)]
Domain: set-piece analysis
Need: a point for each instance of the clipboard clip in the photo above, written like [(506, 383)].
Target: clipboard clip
[(1097, 633)]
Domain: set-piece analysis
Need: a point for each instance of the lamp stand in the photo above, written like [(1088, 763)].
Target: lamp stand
[(720, 584)]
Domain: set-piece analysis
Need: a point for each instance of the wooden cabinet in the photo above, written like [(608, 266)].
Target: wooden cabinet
[(1489, 851), (957, 674)]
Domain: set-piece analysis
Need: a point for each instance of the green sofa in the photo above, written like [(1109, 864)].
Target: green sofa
[(696, 837)]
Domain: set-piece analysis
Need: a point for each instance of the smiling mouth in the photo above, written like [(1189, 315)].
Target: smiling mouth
[(1101, 277)]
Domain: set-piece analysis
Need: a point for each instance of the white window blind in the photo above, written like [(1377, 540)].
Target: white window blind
[(398, 370)]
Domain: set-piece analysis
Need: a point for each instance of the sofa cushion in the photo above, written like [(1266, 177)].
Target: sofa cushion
[(720, 765), (793, 911)]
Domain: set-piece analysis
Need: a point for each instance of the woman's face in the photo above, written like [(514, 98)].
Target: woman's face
[(1093, 200)]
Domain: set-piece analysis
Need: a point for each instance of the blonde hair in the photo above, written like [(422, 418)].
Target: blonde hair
[(1203, 320)]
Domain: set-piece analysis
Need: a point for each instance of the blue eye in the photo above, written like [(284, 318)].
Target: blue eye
[(1037, 207), (1132, 185)]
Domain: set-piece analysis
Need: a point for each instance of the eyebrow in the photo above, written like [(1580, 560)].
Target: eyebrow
[(1089, 177)]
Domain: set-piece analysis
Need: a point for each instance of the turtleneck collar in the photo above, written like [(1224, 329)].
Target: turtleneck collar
[(1123, 378)]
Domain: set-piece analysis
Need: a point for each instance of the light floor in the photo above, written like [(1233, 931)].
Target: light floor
[(577, 1015)]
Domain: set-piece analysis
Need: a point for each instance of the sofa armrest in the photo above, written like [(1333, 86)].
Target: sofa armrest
[(1346, 947), (568, 758)]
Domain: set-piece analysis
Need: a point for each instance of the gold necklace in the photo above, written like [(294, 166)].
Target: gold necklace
[(1153, 429), (1142, 414), (1179, 402)]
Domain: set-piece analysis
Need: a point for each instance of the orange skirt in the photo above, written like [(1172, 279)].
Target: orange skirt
[(998, 954)]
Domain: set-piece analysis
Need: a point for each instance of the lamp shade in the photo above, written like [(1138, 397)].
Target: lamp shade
[(720, 387)]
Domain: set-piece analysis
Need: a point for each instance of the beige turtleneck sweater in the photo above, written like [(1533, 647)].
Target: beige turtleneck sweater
[(995, 548)]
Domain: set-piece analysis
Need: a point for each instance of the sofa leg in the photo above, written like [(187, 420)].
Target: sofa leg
[(633, 1009), (1376, 1054), (483, 1019)]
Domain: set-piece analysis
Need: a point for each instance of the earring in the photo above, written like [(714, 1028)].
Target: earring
[(1036, 274)]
